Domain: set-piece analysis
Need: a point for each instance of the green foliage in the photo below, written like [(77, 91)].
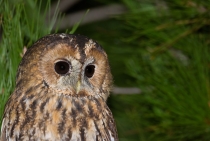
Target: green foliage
[(21, 27), (170, 63), (159, 25), (175, 95)]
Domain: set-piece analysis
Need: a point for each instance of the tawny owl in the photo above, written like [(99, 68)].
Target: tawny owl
[(62, 85)]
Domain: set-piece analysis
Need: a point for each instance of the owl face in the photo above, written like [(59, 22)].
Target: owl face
[(61, 86), (72, 65)]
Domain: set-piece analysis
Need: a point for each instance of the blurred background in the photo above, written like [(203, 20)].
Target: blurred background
[(158, 51)]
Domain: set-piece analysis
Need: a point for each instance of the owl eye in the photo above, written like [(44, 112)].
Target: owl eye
[(62, 67), (89, 71)]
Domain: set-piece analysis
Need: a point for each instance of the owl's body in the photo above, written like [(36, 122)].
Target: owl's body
[(61, 89)]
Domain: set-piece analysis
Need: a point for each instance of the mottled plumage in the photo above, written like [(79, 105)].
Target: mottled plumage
[(62, 85)]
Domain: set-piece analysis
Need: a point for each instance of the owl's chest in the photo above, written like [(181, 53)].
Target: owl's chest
[(59, 118)]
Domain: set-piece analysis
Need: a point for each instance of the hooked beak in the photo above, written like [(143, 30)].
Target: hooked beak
[(78, 86)]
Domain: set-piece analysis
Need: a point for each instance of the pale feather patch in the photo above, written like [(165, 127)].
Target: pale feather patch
[(51, 132), (76, 46), (91, 132), (17, 131), (11, 139), (89, 45), (111, 137), (71, 40), (75, 136), (2, 125), (48, 136), (39, 133), (63, 35), (5, 124), (27, 102)]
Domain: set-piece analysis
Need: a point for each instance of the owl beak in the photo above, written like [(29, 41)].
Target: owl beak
[(78, 86)]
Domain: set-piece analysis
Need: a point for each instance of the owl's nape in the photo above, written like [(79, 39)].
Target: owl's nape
[(62, 85)]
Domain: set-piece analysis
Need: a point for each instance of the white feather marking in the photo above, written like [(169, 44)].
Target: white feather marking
[(64, 137), (76, 46), (17, 133), (63, 35), (10, 139), (89, 45), (27, 101), (2, 126), (75, 136), (110, 134), (48, 136), (91, 132)]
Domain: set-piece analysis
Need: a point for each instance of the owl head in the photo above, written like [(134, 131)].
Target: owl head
[(72, 65)]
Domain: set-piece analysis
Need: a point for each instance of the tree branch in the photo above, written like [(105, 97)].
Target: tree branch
[(62, 5), (126, 90), (95, 14)]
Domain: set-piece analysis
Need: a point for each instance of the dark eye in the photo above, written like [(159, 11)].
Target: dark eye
[(62, 67), (89, 71)]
